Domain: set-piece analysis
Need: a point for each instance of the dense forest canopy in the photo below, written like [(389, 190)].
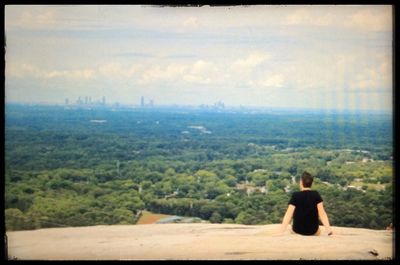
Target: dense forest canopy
[(77, 166)]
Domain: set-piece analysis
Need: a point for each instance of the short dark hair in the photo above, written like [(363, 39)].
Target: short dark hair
[(307, 179)]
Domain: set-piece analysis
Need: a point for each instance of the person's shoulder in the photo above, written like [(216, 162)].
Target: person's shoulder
[(296, 193), (316, 193)]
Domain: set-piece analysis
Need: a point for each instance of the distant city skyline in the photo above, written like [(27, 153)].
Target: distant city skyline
[(322, 57)]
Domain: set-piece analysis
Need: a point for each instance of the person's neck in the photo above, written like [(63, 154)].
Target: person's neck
[(303, 189)]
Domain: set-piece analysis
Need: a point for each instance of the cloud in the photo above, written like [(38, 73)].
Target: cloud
[(299, 16), (110, 69), (275, 80), (76, 74), (36, 17), (377, 78), (366, 18), (134, 54), (115, 70), (198, 72), (191, 22), (174, 70), (206, 52), (32, 19), (186, 19), (28, 71), (196, 79), (371, 20), (202, 67), (154, 74), (251, 61), (21, 70)]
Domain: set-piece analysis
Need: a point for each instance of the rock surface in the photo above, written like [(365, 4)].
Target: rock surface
[(197, 242)]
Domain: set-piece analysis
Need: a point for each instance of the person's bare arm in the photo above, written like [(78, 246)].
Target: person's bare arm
[(324, 218), (286, 219)]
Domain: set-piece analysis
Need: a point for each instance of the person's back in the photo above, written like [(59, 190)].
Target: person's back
[(305, 207), (305, 216)]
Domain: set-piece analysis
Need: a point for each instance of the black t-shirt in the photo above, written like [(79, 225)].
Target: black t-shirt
[(305, 216)]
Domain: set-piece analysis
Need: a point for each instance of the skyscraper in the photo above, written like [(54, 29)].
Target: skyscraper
[(142, 101)]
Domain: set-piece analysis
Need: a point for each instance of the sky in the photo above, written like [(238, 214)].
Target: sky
[(287, 56)]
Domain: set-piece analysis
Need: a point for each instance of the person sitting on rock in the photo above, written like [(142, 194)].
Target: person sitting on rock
[(305, 207)]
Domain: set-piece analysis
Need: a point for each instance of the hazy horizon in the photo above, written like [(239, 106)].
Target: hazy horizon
[(311, 57)]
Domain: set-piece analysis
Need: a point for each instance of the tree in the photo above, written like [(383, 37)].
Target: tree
[(122, 216), (245, 217), (15, 219), (207, 210), (146, 184), (215, 217), (230, 181), (61, 170), (343, 182), (206, 176)]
